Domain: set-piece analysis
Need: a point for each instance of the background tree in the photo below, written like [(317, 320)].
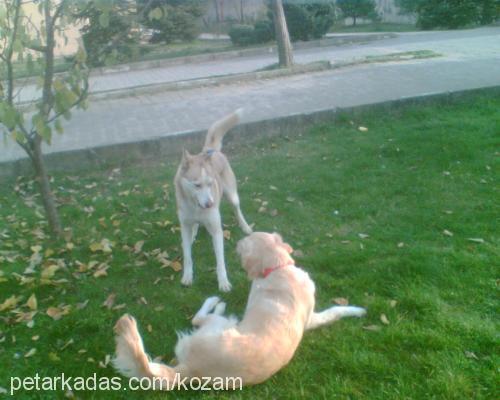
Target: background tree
[(357, 9), (108, 33), (451, 14), (282, 36), (172, 19), (22, 40)]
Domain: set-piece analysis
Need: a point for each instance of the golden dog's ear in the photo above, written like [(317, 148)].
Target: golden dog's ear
[(279, 241), (186, 158)]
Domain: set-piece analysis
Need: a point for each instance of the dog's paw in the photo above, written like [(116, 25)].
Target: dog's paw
[(211, 302), (220, 308), (224, 286), (187, 280), (247, 230), (125, 324)]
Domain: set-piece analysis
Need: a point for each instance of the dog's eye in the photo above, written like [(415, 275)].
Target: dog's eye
[(197, 185)]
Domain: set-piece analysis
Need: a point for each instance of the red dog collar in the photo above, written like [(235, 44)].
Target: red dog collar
[(267, 271)]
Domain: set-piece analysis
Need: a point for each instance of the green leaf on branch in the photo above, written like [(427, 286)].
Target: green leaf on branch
[(155, 14), (104, 19), (18, 136), (58, 127)]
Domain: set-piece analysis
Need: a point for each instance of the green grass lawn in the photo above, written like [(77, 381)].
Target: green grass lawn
[(401, 218)]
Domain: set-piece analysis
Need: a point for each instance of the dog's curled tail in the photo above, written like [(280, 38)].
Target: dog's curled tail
[(219, 128), (132, 361)]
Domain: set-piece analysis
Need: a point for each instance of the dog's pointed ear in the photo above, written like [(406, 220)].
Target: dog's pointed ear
[(186, 158), (279, 241)]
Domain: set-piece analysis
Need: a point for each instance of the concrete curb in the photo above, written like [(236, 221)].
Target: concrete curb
[(256, 51), (212, 81), (172, 144)]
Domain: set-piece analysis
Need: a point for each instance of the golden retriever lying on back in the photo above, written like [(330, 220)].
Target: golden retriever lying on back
[(280, 308)]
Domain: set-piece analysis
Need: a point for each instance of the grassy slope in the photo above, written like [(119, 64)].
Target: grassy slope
[(393, 183)]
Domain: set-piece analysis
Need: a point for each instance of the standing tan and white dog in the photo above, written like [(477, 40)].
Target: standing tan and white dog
[(279, 310), (200, 183)]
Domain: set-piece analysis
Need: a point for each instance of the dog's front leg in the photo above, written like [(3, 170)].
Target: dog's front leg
[(187, 240), (214, 227)]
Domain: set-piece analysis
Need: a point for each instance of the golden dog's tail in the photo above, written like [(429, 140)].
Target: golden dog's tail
[(217, 131), (132, 361)]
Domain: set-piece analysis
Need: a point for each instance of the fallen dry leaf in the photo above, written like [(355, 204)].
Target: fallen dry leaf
[(227, 234), (30, 353), (81, 306), (393, 303), (273, 213), (447, 232), (104, 245), (110, 301), (150, 328), (35, 338), (11, 302), (363, 129), (470, 354), (176, 266), (68, 343), (32, 303), (384, 319), (374, 328), (341, 301), (57, 313), (476, 240), (48, 272), (101, 270), (104, 364), (363, 235), (138, 246)]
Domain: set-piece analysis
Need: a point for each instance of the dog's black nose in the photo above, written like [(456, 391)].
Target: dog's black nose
[(208, 204)]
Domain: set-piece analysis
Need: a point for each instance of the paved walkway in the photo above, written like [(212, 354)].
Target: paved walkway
[(471, 59)]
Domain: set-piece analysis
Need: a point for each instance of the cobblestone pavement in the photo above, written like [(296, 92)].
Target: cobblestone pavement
[(471, 59)]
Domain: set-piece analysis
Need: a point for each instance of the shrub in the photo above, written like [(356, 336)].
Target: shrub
[(322, 18), (309, 20), (451, 14), (298, 21), (263, 31), (173, 20), (242, 35)]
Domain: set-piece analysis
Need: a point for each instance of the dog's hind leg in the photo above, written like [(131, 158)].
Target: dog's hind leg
[(333, 314), (231, 193), (187, 240)]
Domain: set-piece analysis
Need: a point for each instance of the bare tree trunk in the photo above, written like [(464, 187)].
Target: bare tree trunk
[(217, 15), (242, 12), (282, 36), (354, 21), (44, 183)]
